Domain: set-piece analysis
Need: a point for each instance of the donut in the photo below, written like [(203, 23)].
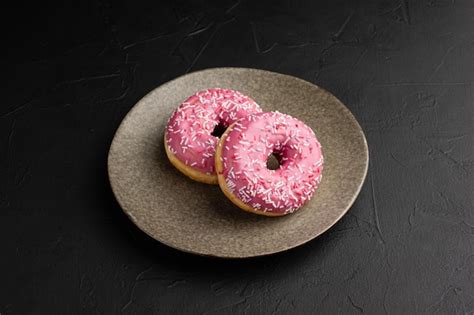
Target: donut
[(241, 163), (193, 130)]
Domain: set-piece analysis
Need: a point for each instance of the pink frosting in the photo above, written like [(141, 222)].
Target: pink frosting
[(188, 133), (245, 153)]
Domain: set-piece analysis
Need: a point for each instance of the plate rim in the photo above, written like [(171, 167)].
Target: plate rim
[(286, 248)]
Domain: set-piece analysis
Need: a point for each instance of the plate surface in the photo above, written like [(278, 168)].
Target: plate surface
[(198, 218)]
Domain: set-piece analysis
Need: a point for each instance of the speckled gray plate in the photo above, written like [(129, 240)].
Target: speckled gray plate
[(198, 218)]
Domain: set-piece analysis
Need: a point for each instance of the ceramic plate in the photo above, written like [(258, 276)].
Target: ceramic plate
[(198, 218)]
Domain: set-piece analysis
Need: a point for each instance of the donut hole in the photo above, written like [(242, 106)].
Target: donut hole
[(273, 161), (219, 130)]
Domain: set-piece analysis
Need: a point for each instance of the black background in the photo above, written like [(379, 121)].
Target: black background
[(71, 73)]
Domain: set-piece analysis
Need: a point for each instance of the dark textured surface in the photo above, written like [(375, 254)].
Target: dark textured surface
[(405, 70)]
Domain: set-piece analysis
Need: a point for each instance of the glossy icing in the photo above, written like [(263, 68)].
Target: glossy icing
[(188, 132), (245, 153)]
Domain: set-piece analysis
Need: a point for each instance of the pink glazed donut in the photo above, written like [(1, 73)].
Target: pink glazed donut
[(191, 135), (241, 163)]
